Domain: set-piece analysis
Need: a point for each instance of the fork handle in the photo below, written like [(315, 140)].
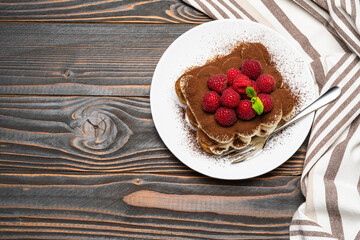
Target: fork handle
[(324, 99)]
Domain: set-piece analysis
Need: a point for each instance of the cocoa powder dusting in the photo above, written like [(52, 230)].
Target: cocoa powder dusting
[(190, 133), (195, 87)]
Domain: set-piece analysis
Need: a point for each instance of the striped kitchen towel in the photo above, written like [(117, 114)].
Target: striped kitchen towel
[(327, 32)]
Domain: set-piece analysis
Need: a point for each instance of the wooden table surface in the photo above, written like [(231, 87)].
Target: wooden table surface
[(80, 157)]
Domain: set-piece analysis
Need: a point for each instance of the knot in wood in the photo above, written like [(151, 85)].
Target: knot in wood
[(68, 73), (96, 127), (137, 181), (103, 131)]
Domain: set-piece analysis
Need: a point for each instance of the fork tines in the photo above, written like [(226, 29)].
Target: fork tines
[(236, 152)]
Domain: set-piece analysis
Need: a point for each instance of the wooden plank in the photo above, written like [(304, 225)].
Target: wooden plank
[(82, 59), (114, 11), (145, 206), (90, 134)]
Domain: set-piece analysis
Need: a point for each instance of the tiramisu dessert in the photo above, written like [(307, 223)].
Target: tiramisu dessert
[(235, 97)]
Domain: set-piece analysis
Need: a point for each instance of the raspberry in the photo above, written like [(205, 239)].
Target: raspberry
[(267, 101), (245, 111), (241, 82), (217, 83), (225, 116), (211, 102), (254, 86), (266, 83), (232, 73), (251, 68), (230, 98)]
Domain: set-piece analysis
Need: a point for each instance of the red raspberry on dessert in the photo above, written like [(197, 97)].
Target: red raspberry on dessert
[(232, 73), (251, 68), (241, 82), (225, 116), (245, 110), (217, 83), (254, 86), (230, 98), (266, 83), (267, 101), (211, 102)]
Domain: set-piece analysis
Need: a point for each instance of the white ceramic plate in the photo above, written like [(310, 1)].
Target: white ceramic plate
[(193, 48)]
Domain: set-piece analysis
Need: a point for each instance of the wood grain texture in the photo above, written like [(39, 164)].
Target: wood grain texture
[(81, 134), (82, 59), (145, 206), (91, 134), (105, 11)]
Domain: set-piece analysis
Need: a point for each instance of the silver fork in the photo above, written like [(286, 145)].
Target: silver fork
[(258, 143)]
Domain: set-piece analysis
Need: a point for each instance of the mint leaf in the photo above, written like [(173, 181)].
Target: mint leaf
[(257, 105), (253, 100), (250, 92)]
